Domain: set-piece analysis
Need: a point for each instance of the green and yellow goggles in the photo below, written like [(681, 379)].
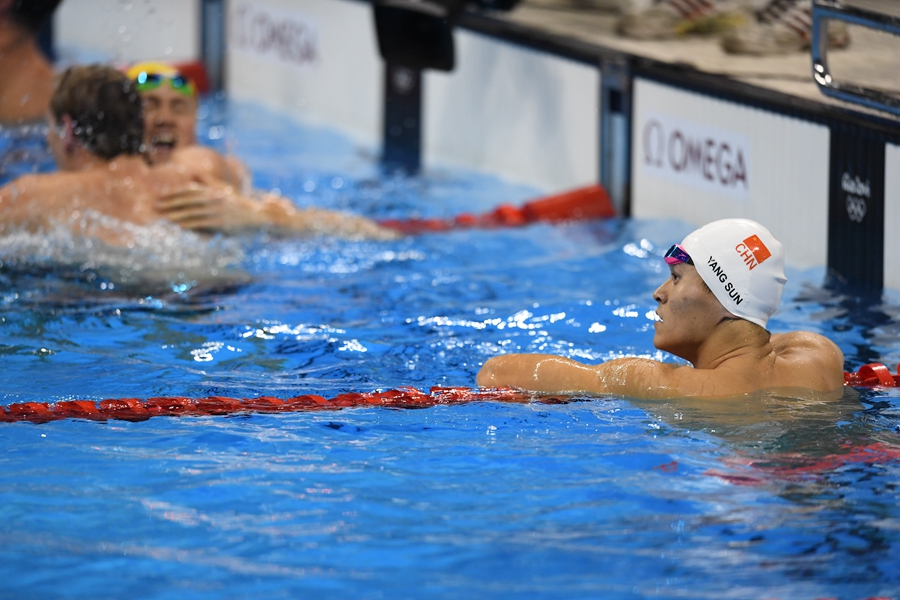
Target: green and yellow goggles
[(150, 76)]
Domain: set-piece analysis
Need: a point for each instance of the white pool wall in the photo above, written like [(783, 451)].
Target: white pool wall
[(128, 31), (333, 81), (525, 116)]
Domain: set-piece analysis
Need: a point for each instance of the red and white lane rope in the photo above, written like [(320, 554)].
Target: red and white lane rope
[(873, 375), (135, 409)]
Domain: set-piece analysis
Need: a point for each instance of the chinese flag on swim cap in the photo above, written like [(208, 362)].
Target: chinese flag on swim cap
[(756, 246)]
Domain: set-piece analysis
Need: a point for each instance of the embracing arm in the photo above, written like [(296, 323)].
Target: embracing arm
[(213, 206), (285, 217), (214, 202)]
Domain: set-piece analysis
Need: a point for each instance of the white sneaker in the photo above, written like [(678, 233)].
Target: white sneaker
[(781, 27), (672, 18)]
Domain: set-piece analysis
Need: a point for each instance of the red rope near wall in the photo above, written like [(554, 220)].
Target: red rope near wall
[(591, 202)]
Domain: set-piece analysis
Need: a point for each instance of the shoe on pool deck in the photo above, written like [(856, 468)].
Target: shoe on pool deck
[(672, 18), (781, 27)]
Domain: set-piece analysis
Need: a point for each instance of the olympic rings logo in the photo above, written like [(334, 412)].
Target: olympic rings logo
[(856, 208)]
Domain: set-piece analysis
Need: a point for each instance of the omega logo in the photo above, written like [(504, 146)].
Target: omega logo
[(858, 191), (291, 40), (714, 159)]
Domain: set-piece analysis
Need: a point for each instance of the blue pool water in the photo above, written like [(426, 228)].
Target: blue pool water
[(595, 498)]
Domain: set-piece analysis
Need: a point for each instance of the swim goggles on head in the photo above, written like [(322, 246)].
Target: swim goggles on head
[(146, 81), (677, 254)]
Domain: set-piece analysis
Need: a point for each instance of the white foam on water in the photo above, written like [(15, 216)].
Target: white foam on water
[(124, 253)]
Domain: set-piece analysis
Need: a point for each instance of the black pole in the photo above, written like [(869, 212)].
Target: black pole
[(402, 132), (615, 133), (212, 42)]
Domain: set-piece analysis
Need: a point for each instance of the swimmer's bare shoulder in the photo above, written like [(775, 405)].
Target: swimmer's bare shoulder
[(201, 163), (813, 358), (802, 359), (31, 199)]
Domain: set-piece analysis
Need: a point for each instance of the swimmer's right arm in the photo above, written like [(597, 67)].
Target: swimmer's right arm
[(538, 373), (629, 377)]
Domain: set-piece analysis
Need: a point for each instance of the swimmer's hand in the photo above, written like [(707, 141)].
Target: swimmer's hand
[(205, 207), (211, 208)]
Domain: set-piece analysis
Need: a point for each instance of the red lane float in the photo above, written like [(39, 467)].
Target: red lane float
[(134, 409), (874, 375), (591, 202)]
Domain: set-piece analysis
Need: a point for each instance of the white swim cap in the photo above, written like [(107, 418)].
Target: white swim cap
[(743, 265)]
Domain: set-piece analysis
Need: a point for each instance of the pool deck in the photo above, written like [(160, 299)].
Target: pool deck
[(870, 59)]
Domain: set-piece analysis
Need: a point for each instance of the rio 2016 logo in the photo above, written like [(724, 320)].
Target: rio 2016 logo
[(858, 192)]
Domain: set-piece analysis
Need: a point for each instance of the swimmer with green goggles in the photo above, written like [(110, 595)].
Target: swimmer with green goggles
[(170, 109)]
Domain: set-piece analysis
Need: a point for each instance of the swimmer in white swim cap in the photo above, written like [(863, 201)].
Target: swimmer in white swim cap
[(741, 263), (726, 280)]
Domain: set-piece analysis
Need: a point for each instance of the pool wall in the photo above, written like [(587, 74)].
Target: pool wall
[(524, 115), (556, 113), (316, 61), (129, 31)]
